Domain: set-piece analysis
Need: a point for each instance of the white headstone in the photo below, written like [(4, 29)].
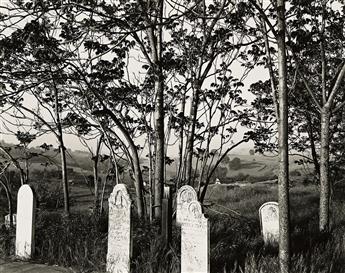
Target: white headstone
[(7, 220), (195, 240), (119, 233), (185, 195), (25, 229), (269, 220)]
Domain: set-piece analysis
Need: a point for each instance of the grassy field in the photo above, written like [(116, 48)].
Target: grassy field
[(232, 209), (236, 243)]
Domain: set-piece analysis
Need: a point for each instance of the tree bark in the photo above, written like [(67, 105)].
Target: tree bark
[(95, 172), (181, 144), (156, 41), (160, 152), (62, 149), (64, 176), (9, 201), (312, 145), (190, 139), (139, 184), (283, 177), (324, 171)]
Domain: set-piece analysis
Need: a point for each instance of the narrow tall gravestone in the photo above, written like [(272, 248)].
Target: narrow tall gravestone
[(25, 229), (269, 221), (119, 233), (185, 195), (195, 234)]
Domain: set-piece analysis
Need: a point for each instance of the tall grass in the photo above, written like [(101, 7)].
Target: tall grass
[(236, 243)]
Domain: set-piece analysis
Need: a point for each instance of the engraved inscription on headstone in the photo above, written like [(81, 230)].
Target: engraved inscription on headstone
[(269, 220), (185, 195), (119, 232), (195, 240), (25, 229)]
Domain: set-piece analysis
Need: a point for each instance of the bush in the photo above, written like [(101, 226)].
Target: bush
[(49, 196), (235, 164), (295, 173)]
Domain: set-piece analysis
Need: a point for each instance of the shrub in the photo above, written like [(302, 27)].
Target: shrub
[(295, 173), (49, 196), (235, 164)]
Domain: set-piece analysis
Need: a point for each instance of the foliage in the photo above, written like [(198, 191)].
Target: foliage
[(235, 164)]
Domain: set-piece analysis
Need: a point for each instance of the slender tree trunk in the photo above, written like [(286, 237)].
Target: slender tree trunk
[(324, 170), (62, 149), (283, 177), (190, 139), (95, 172), (151, 179), (312, 145), (139, 184), (16, 164), (9, 201), (95, 181), (180, 148), (160, 153), (157, 43), (64, 177), (26, 168)]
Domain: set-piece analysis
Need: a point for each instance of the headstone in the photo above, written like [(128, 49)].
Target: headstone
[(166, 216), (218, 182), (269, 221), (7, 220), (119, 233), (195, 240), (25, 229), (185, 195)]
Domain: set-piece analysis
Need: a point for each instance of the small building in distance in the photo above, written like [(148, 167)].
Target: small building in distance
[(217, 181)]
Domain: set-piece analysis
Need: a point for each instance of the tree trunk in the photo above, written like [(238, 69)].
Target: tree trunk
[(95, 172), (324, 170), (9, 201), (312, 145), (64, 177), (283, 177), (95, 181), (16, 164), (190, 139), (139, 184), (160, 153), (62, 149), (181, 145)]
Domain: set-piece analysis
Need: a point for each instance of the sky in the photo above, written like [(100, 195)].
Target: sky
[(74, 143)]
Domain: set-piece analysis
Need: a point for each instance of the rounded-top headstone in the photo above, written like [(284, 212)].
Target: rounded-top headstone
[(119, 233), (185, 195), (25, 229), (269, 221), (195, 240)]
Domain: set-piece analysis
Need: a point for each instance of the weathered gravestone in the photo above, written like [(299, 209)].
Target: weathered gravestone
[(8, 220), (25, 229), (119, 232), (195, 234), (185, 195), (269, 221)]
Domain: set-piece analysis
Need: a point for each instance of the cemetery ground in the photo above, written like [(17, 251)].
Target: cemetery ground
[(80, 242)]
